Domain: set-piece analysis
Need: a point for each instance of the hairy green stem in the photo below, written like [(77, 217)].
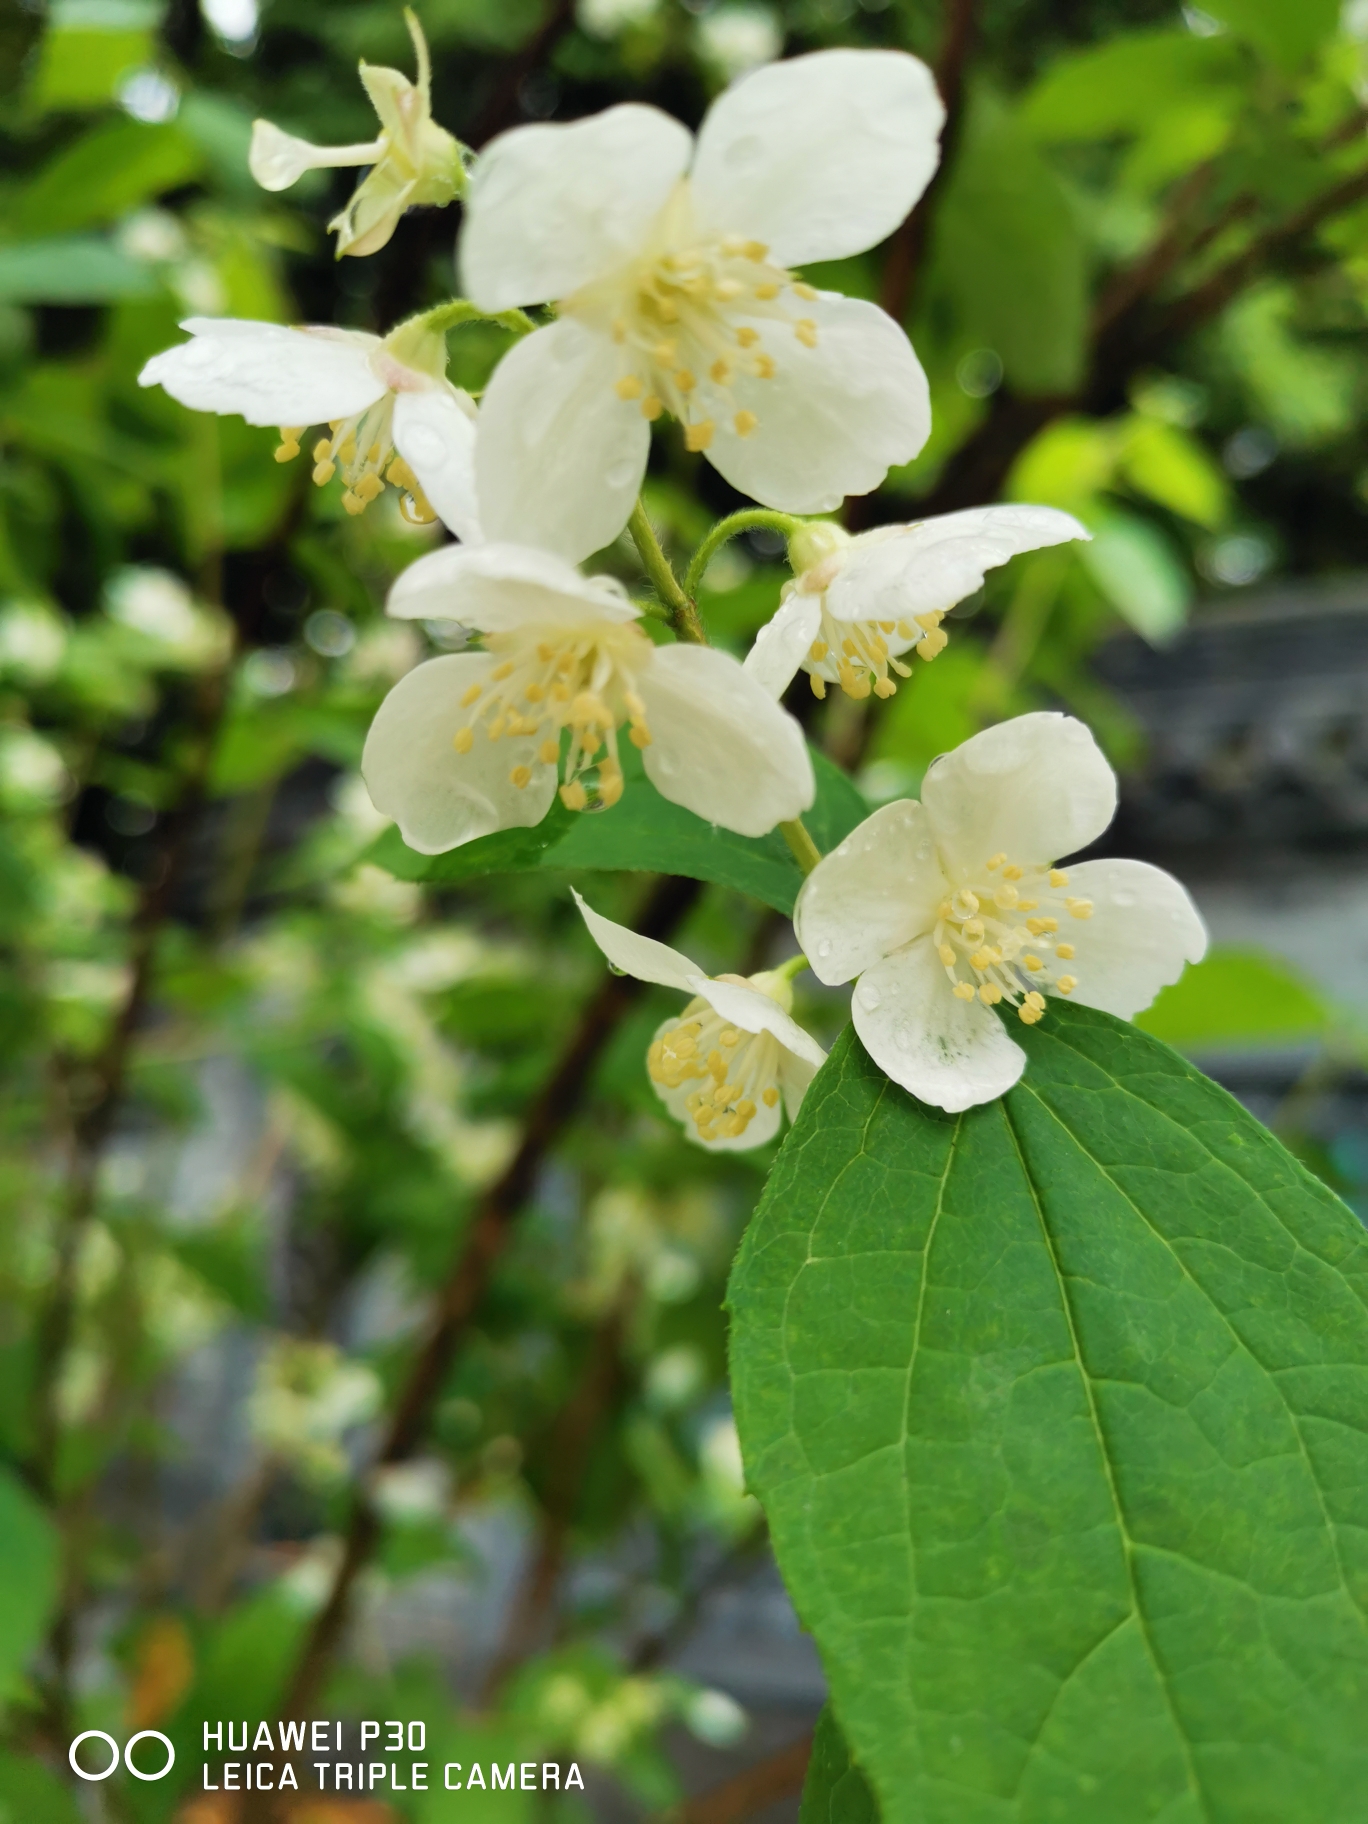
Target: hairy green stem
[(748, 520), (460, 310), (804, 849), (679, 606)]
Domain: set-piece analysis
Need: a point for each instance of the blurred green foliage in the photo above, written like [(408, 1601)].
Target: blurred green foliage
[(1128, 265)]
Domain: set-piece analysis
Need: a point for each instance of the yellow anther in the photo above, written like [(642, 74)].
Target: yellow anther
[(619, 330), (746, 336), (1027, 1014), (1005, 897), (770, 1097), (806, 331), (1033, 963), (990, 994), (464, 739), (905, 633), (766, 292), (818, 685), (521, 776), (965, 903), (973, 930), (322, 450), (1011, 871), (610, 783), (347, 453), (286, 452), (500, 672), (353, 503), (684, 380), (664, 353), (764, 367), (535, 693), (471, 695), (729, 1035), (744, 423), (946, 954), (1027, 905), (1080, 908), (964, 991), (721, 372), (932, 644), (754, 250), (1036, 999), (1065, 951), (803, 290), (1058, 878), (1067, 983), (639, 736), (369, 487), (549, 752), (982, 959), (818, 650), (323, 473), (629, 387), (1037, 926), (884, 687), (717, 1066), (651, 407), (573, 796), (698, 436)]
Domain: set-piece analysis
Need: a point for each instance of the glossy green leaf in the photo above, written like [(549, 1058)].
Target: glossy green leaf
[(1056, 1409), (1236, 997), (111, 169), (1008, 255), (835, 1791), (28, 1551), (646, 832)]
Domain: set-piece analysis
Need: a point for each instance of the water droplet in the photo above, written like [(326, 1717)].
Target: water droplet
[(622, 474), (869, 996), (824, 948)]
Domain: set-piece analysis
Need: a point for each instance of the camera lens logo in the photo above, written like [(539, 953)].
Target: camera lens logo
[(143, 1735)]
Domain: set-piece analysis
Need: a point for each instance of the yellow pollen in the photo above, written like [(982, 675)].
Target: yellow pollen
[(1033, 963), (323, 473), (806, 331), (995, 861), (651, 407), (573, 796), (503, 671), (471, 695), (964, 991), (745, 423), (729, 1036), (1011, 871), (1080, 908), (665, 352), (990, 994), (803, 290), (619, 331), (755, 250), (1005, 897), (353, 503), (764, 367), (698, 436), (322, 450), (770, 1097), (818, 684), (286, 452), (721, 372), (818, 650), (946, 955), (746, 336), (464, 739), (973, 930), (932, 644), (1067, 983), (684, 380), (1064, 951), (521, 776), (549, 752), (1058, 878), (639, 737), (629, 387), (766, 292)]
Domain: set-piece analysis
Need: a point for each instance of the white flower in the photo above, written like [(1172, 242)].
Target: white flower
[(669, 264), (414, 160), (733, 1057), (471, 742), (376, 396), (858, 604), (948, 908)]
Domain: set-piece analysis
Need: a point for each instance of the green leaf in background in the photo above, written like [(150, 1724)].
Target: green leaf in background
[(1008, 253), (89, 45), (1056, 1411), (835, 1791), (1117, 88), (1171, 467), (645, 832), (73, 269), (31, 1794), (105, 173), (1236, 997), (1138, 571), (28, 1588), (1286, 31)]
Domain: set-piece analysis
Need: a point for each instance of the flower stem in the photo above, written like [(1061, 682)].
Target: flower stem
[(460, 310), (805, 850), (735, 523), (683, 615), (795, 965)]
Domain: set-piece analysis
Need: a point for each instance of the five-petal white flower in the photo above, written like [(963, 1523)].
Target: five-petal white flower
[(947, 908), (377, 396), (414, 160), (725, 1066), (669, 264), (857, 605), (471, 742)]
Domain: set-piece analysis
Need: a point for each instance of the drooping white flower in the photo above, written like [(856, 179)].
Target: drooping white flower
[(413, 160), (377, 397), (857, 605), (669, 265), (949, 909), (735, 1058), (472, 742)]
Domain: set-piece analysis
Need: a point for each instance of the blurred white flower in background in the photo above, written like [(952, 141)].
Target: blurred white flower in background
[(33, 639), (606, 18), (308, 1396), (33, 775), (736, 39)]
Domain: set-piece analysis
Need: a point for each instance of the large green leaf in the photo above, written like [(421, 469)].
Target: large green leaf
[(1119, 86), (1008, 256), (72, 269), (835, 1791), (108, 171), (1057, 1411), (646, 832), (28, 1551)]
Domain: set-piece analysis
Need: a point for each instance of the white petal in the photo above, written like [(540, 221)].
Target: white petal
[(639, 956), (762, 1126), (720, 745), (267, 374), (753, 1011), (920, 568), (835, 418), (435, 435), (440, 798), (559, 457), (795, 1074), (782, 643), (871, 895), (277, 159), (496, 588), (1143, 929), (820, 156), (551, 207), (1036, 789), (952, 1054)]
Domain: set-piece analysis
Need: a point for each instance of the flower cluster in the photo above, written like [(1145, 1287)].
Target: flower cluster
[(671, 268)]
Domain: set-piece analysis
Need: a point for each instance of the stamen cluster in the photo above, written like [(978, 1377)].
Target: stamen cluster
[(737, 1071), (1007, 942), (363, 448), (856, 654)]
